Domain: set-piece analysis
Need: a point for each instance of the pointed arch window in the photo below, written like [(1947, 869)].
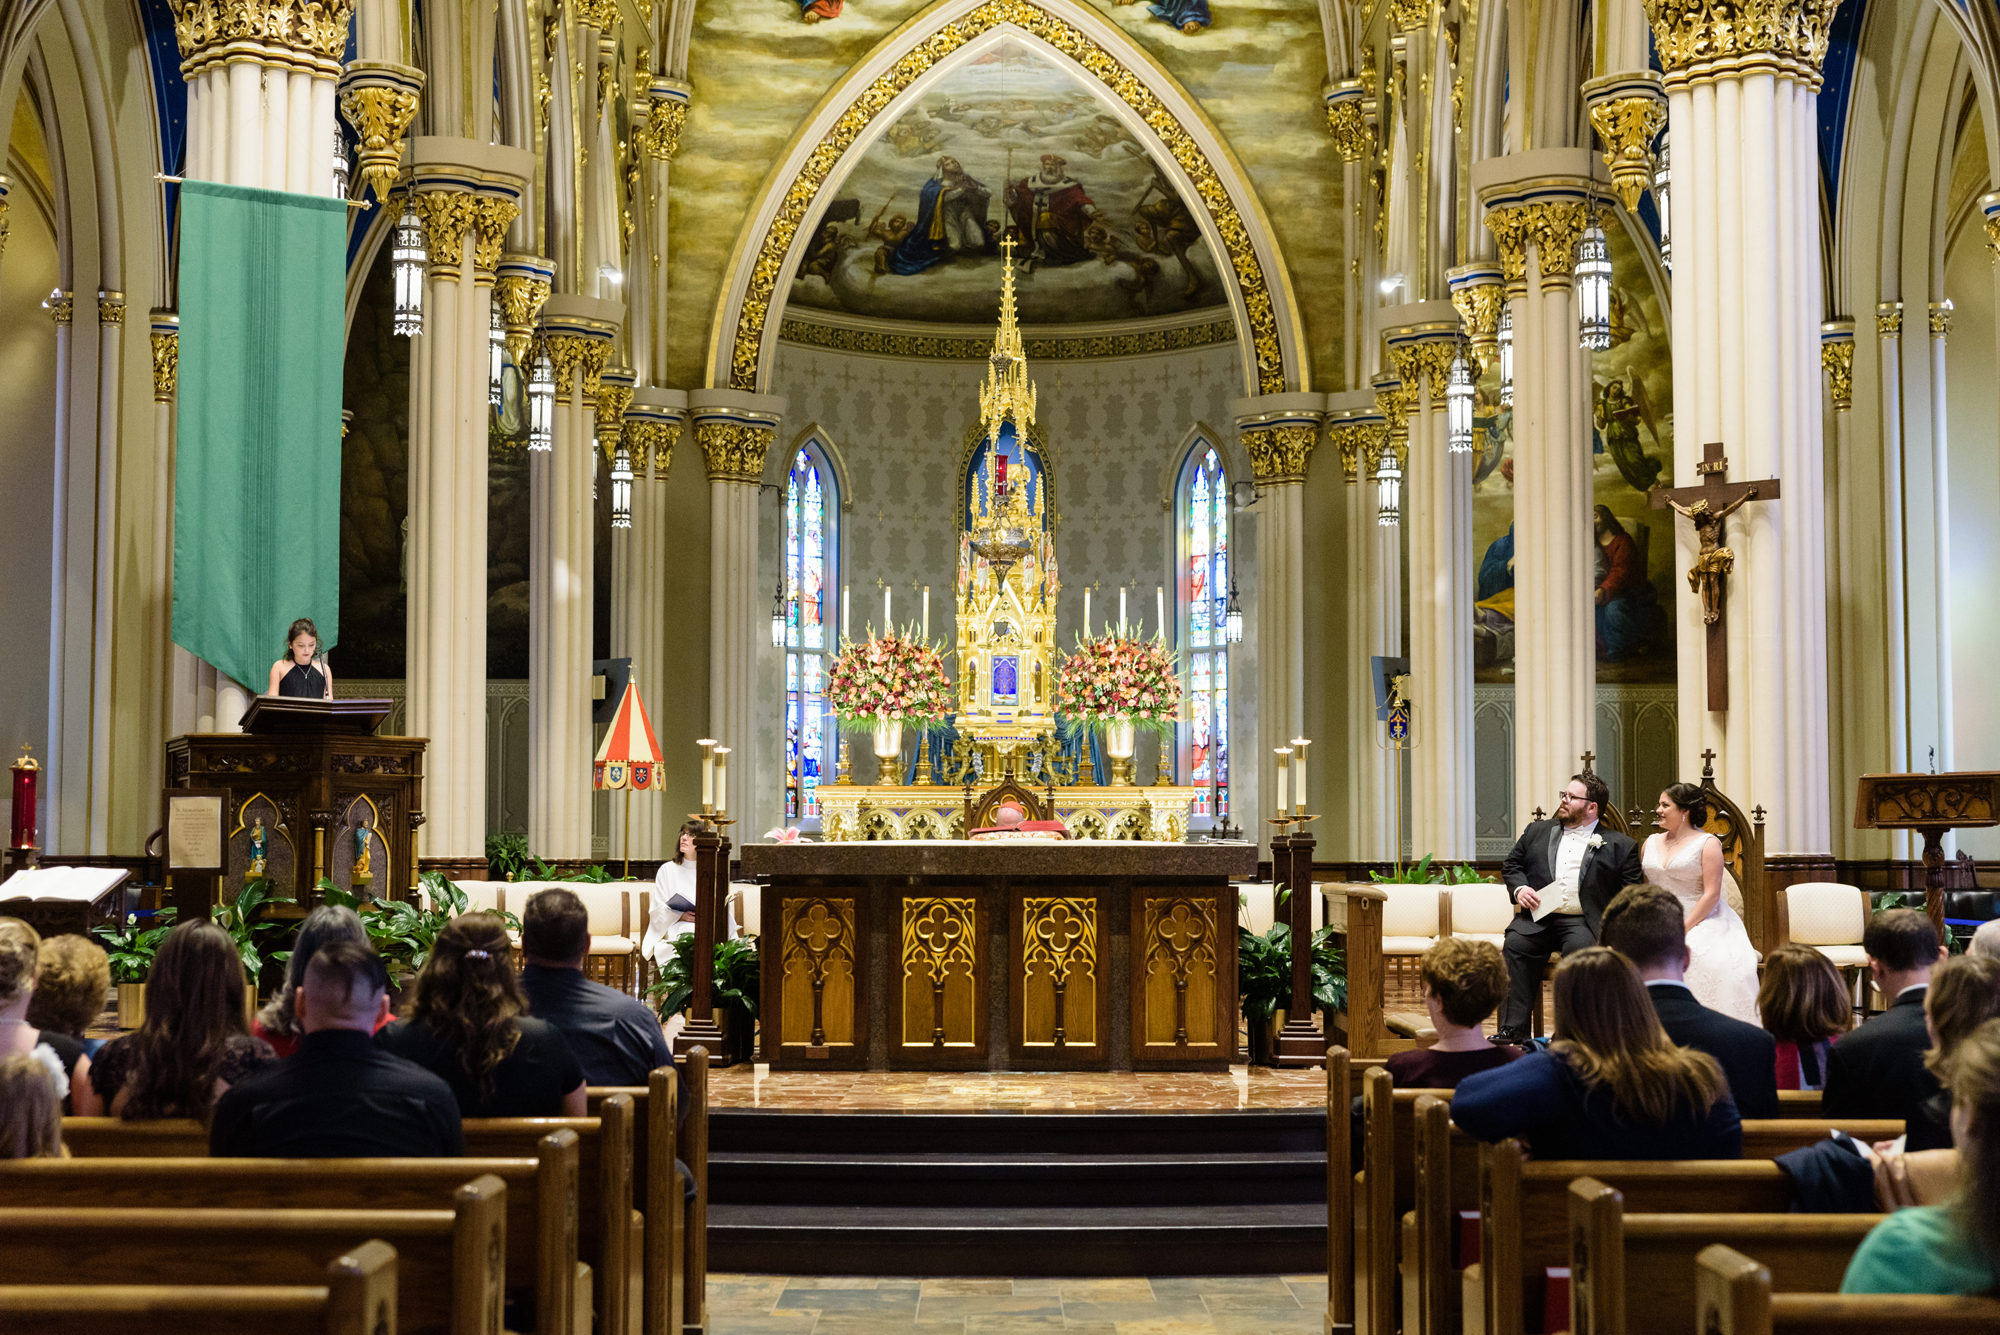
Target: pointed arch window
[(1203, 512), (811, 635)]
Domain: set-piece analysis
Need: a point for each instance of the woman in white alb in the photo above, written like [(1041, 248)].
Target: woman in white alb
[(673, 886), (1686, 859)]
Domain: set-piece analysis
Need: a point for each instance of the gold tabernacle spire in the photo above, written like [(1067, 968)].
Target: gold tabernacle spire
[(1007, 393)]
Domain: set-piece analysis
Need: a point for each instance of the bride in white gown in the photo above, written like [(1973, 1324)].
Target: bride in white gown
[(1722, 968)]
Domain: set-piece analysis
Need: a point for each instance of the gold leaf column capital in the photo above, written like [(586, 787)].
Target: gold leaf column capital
[(521, 284), (1941, 319), (447, 215), (614, 395), (166, 341), (1836, 357), (1478, 291), (666, 103), (1889, 320), (734, 451), (1280, 454), (111, 308), (380, 99), (61, 306), (492, 215), (1352, 138), (1511, 227), (1627, 111), (1699, 40)]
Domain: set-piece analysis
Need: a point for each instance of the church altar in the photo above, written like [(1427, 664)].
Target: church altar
[(924, 811), (959, 956)]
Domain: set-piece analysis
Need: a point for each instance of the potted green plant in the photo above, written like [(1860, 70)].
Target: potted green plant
[(507, 856), (1264, 980), (1422, 872), (733, 988), (239, 918), (403, 932), (130, 951)]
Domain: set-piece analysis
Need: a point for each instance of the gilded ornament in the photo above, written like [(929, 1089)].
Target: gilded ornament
[(296, 33), (1628, 126), (520, 297), (1510, 227), (61, 306), (1838, 361), (1699, 39), (734, 451), (1352, 138), (1409, 15), (111, 308), (1889, 320), (599, 14), (1551, 226), (1351, 441), (612, 401), (1940, 319), (578, 357), (661, 135), (447, 215), (1478, 306), (1369, 75), (1378, 186), (1431, 360), (890, 343), (3, 226), (379, 116), (1260, 312), (166, 366), (1458, 103), (491, 217), (1373, 441), (1280, 453)]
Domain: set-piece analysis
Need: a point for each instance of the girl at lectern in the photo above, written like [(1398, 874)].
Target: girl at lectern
[(302, 674)]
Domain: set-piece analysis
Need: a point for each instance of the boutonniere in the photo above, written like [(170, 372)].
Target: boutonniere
[(1596, 841)]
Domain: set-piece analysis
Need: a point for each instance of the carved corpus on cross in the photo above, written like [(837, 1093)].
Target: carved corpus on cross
[(1706, 506)]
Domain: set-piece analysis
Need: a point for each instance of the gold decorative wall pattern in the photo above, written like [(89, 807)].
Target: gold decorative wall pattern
[(1059, 974), (940, 972), (742, 321), (817, 958)]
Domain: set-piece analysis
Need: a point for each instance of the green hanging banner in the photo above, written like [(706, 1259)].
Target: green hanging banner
[(257, 469)]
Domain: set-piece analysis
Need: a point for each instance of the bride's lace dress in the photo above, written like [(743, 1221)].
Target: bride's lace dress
[(1722, 970)]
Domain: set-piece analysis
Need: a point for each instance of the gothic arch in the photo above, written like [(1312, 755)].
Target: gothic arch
[(1131, 86)]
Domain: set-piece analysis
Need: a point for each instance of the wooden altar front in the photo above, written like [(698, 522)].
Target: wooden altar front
[(944, 955), (332, 798)]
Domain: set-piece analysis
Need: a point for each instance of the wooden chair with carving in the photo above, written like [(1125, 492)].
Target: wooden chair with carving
[(979, 811)]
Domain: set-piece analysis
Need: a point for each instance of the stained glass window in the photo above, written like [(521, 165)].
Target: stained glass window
[(809, 639), (1204, 591)]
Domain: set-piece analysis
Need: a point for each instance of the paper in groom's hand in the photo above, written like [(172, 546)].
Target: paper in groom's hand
[(1538, 902)]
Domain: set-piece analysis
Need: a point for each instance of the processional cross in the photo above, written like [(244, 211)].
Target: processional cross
[(1706, 506)]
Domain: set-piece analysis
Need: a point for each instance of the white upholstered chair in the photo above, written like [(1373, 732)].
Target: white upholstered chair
[(1481, 912), (1257, 908), (1412, 921), (1831, 918), (613, 945)]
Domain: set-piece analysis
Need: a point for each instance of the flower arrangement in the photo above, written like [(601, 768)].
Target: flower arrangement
[(1115, 678), (888, 679)]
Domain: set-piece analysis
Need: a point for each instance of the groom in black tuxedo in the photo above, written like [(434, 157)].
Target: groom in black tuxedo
[(1561, 874)]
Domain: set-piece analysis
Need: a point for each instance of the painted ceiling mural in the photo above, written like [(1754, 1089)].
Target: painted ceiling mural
[(1008, 142)]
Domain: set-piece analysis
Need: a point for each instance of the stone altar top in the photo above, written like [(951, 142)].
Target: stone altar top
[(961, 857)]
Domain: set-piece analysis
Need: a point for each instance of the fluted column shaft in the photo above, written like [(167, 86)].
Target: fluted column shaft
[(1742, 110), (1889, 344), (1357, 433), (639, 631)]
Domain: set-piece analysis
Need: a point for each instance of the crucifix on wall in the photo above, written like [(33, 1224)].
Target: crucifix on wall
[(1706, 506)]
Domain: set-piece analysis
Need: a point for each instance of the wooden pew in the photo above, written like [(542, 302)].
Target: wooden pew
[(658, 1197), (112, 1137), (1734, 1297), (541, 1213), (1799, 1103), (1524, 1216), (694, 1260), (1384, 1197), (356, 1297), (1635, 1274), (1447, 1182), (1771, 1137), (1339, 1194), (605, 1219), (450, 1280)]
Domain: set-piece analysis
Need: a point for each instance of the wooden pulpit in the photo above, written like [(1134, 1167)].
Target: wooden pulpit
[(309, 791), (1934, 805)]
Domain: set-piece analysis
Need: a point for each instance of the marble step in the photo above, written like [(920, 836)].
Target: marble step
[(1017, 1241), (1037, 1178), (1248, 1131)]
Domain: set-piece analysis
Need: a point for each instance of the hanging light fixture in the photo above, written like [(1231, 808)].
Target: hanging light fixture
[(621, 488), (340, 163), (1506, 354), (407, 259), (1232, 617), (1388, 491), (1593, 289), (542, 403), (496, 354), (1661, 178), (596, 465), (778, 617), (1458, 405)]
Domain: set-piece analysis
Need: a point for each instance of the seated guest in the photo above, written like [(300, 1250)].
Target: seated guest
[(615, 1038), (468, 1025), (20, 954), (1464, 982), (1964, 994), (1951, 1248), (194, 1043), (1878, 1069), (1647, 924), (71, 984), (339, 1096), (277, 1024), (1986, 939), (30, 1108), (1804, 1006), (1612, 1085)]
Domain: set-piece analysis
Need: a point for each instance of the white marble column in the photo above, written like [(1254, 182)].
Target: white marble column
[(652, 428), (1354, 141), (1536, 208), (1374, 624), (467, 194), (1843, 500), (1940, 544), (1742, 111), (1422, 340), (579, 332), (1278, 432), (736, 431)]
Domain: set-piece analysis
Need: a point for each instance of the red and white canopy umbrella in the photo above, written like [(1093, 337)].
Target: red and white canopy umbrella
[(630, 756)]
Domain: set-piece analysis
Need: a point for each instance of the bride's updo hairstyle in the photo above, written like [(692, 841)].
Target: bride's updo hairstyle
[(1690, 798)]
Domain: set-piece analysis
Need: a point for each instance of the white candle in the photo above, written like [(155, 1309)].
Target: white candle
[(722, 782), (1284, 755), (888, 622), (927, 614), (1086, 611), (1121, 609), (1299, 744), (707, 745), (1160, 610), (844, 622)]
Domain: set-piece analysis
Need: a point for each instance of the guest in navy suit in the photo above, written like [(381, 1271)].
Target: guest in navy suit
[(1612, 1085), (1878, 1070)]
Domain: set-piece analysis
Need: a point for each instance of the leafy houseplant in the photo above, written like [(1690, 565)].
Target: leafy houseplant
[(733, 987), (404, 932), (1955, 941), (130, 952), (239, 918), (507, 856), (1423, 873), (1264, 979)]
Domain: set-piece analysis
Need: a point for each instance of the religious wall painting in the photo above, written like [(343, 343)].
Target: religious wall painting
[(1190, 16), (1631, 451), (1008, 142)]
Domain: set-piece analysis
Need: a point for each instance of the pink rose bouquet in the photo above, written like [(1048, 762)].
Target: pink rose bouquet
[(887, 679), (1118, 678)]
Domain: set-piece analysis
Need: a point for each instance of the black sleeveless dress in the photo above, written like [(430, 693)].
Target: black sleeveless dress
[(303, 682)]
